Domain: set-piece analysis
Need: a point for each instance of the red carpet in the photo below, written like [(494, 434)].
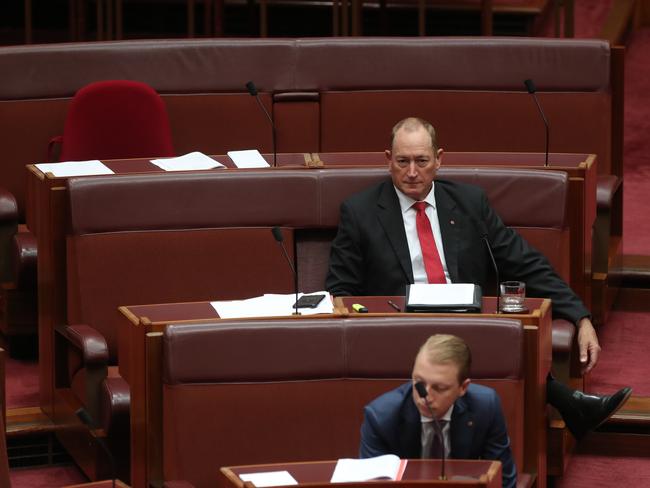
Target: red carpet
[(596, 471), (51, 477), (21, 383), (625, 340), (636, 225)]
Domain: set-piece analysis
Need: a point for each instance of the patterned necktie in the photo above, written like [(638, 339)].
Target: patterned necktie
[(432, 263)]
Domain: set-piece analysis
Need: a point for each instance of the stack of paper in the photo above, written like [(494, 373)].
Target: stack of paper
[(269, 478), (388, 466), (189, 162), (75, 168), (269, 305), (248, 159)]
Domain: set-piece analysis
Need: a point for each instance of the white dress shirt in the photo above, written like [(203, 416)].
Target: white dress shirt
[(408, 215), (428, 431)]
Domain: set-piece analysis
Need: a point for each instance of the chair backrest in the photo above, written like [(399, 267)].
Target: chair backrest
[(149, 248), (116, 119), (252, 392)]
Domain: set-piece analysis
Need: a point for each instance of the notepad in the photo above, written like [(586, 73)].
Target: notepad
[(194, 161), (250, 158)]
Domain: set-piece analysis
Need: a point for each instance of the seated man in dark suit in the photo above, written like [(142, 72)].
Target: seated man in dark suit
[(410, 229), (399, 422)]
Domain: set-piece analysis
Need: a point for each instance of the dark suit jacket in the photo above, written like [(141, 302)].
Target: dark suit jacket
[(392, 425), (370, 254)]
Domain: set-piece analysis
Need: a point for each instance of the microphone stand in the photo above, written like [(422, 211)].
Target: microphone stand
[(530, 86), (422, 392)]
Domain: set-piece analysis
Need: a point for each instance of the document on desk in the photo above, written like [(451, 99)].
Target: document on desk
[(387, 466), (75, 168), (453, 297), (250, 158), (193, 161), (269, 478), (270, 305)]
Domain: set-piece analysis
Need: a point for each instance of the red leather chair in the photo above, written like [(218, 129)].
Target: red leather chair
[(106, 120), (115, 119)]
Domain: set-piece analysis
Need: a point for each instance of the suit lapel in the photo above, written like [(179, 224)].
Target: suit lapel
[(410, 431), (448, 217), (461, 430), (390, 218)]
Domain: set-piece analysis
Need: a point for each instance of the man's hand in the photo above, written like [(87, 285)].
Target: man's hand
[(588, 344)]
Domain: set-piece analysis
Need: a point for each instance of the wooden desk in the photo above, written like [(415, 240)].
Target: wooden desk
[(140, 320), (46, 207), (419, 472)]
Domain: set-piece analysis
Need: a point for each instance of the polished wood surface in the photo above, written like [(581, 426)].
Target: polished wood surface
[(418, 472)]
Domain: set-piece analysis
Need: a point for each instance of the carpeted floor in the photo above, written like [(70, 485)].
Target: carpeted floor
[(625, 340), (636, 225), (587, 471), (49, 477), (21, 383)]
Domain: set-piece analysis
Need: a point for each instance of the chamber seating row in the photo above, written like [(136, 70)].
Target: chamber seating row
[(326, 95), (205, 236), (248, 392)]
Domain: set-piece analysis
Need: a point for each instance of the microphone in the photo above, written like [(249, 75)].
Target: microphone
[(87, 420), (421, 388), (530, 87), (252, 90), (277, 234), (484, 238)]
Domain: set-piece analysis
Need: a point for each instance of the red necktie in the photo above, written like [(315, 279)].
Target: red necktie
[(432, 263)]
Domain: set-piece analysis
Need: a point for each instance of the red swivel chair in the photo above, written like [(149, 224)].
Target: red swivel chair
[(115, 119)]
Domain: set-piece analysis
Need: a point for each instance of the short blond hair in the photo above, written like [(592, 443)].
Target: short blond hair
[(411, 124), (447, 348)]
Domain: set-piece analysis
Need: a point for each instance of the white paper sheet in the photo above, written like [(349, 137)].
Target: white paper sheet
[(354, 470), (250, 158), (441, 294), (75, 168), (188, 162), (270, 305), (270, 478)]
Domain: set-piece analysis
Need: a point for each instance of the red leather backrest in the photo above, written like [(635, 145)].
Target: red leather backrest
[(289, 383)]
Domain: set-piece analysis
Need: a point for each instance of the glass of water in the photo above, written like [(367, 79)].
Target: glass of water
[(513, 294)]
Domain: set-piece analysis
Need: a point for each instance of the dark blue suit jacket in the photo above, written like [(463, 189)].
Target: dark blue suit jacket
[(477, 431)]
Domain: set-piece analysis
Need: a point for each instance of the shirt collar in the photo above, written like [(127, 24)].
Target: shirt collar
[(406, 202), (446, 417)]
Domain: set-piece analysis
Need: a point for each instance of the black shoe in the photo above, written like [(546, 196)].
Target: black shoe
[(586, 412)]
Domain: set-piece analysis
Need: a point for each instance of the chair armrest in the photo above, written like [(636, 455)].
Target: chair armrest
[(8, 207), (24, 256), (606, 188), (115, 407), (562, 335), (91, 343)]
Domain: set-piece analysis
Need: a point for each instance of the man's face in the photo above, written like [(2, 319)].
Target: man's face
[(441, 380), (413, 164)]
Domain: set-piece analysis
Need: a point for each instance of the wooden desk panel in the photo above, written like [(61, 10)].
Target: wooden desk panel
[(418, 473), (138, 323)]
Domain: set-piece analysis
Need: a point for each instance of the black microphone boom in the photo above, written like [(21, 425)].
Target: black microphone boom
[(530, 87), (421, 388), (87, 420), (277, 234), (496, 269), (252, 90)]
